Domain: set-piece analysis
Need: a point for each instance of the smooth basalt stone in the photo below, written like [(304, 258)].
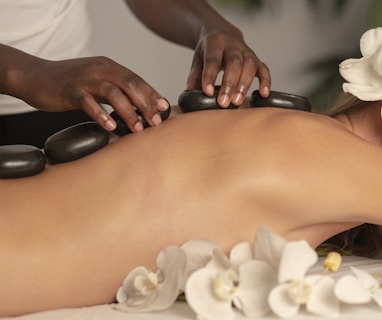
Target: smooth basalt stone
[(75, 142), (280, 100), (196, 100), (122, 129), (20, 160)]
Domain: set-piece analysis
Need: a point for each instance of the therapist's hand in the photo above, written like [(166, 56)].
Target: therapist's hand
[(84, 83), (225, 50), (81, 83)]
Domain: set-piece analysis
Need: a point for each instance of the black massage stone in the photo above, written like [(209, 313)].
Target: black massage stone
[(20, 160), (280, 100), (75, 142), (196, 100), (122, 129)]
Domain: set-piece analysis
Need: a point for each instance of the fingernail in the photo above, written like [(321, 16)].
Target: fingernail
[(210, 90), (224, 100), (162, 104), (138, 126), (266, 91), (156, 119), (110, 125), (237, 98)]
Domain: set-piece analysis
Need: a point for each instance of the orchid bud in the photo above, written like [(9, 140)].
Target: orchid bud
[(332, 261)]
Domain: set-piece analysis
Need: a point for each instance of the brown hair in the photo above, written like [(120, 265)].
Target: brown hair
[(366, 239), (346, 103)]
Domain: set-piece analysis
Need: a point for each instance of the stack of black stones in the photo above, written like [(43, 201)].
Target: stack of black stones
[(75, 142)]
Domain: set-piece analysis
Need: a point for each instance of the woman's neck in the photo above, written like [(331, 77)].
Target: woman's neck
[(365, 123)]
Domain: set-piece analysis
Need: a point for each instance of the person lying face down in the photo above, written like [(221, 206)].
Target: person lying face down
[(71, 234)]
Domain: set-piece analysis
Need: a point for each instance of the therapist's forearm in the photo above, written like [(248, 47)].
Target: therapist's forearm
[(180, 21), (15, 66)]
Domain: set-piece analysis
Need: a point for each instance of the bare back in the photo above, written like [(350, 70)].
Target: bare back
[(81, 226)]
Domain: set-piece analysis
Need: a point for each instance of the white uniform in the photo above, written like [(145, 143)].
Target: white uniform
[(50, 29)]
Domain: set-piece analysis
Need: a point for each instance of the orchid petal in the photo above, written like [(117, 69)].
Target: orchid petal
[(241, 253), (135, 301), (268, 247), (201, 298), (199, 253), (297, 258), (172, 262), (257, 278), (377, 63), (143, 305), (219, 261), (360, 71), (121, 295), (370, 41), (128, 290), (368, 282), (377, 296), (364, 75), (364, 93), (350, 290), (322, 300), (281, 303)]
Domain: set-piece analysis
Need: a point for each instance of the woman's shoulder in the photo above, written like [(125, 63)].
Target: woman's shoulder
[(297, 123), (310, 123)]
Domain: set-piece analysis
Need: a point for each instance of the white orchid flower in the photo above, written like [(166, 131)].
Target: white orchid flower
[(359, 288), (295, 289), (145, 291), (267, 247), (198, 252), (364, 75), (212, 291)]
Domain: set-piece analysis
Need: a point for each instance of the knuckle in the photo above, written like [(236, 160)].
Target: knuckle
[(215, 37), (252, 60), (110, 91), (230, 89), (213, 61), (130, 115), (154, 97), (148, 108), (81, 99), (132, 81), (235, 60), (243, 85), (98, 113), (228, 86)]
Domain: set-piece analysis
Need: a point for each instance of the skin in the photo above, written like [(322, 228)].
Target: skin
[(71, 234), (219, 46), (84, 83)]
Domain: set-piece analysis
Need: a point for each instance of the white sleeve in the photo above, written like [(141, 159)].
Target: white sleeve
[(50, 29)]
